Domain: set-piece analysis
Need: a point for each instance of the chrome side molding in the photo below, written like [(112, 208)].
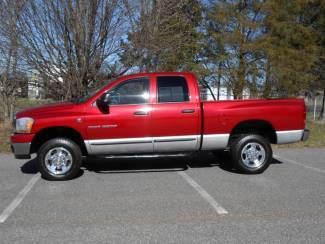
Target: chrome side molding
[(157, 144), (120, 145), (144, 145), (215, 141), (176, 143)]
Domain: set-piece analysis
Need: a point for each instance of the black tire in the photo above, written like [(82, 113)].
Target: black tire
[(68, 146), (240, 157)]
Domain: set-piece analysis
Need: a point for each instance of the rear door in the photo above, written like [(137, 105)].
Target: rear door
[(175, 116)]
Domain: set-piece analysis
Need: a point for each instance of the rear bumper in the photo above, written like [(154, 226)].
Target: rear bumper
[(21, 150), (292, 136), (305, 135)]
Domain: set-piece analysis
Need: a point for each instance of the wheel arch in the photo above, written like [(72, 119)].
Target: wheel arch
[(257, 126), (55, 132)]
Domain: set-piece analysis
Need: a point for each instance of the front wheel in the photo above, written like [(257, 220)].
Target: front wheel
[(59, 159), (251, 154)]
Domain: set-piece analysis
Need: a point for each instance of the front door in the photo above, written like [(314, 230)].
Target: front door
[(125, 129)]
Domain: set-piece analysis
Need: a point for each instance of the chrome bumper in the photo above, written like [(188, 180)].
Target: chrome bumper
[(305, 135), (21, 150)]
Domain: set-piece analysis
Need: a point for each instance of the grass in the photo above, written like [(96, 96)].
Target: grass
[(5, 130), (316, 137)]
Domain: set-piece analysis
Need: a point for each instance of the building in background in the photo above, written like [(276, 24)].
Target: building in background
[(225, 93), (35, 87)]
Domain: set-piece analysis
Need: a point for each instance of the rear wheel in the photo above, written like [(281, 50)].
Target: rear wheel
[(59, 159), (251, 154)]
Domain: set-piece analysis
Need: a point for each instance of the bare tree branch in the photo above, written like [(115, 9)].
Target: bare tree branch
[(68, 41)]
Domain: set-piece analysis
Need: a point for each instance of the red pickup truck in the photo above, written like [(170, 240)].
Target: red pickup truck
[(155, 113)]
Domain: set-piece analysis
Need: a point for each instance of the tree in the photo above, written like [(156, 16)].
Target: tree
[(289, 46), (164, 36), (67, 41), (263, 46), (12, 79), (235, 28), (315, 17)]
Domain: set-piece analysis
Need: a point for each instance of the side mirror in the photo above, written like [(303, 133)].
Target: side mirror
[(103, 103)]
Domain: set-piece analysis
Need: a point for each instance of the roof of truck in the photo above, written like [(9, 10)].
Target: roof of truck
[(158, 73)]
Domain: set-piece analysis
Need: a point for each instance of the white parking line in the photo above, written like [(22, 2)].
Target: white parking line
[(204, 194), (21, 195), (300, 164)]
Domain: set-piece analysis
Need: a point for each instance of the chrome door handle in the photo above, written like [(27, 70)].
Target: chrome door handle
[(141, 113), (188, 111)]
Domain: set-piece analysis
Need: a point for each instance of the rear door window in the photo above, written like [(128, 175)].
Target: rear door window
[(172, 89)]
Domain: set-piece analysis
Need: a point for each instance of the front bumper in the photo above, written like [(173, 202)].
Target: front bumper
[(21, 145), (21, 150), (305, 135)]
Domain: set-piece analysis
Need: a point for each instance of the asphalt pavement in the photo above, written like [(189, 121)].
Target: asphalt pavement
[(194, 199)]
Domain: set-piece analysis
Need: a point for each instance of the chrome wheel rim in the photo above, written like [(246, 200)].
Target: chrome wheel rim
[(253, 155), (58, 161)]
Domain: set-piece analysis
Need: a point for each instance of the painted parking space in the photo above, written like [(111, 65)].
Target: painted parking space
[(112, 197), (150, 200), (283, 189), (13, 178), (311, 157)]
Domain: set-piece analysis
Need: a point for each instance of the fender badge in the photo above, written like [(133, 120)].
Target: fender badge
[(109, 126)]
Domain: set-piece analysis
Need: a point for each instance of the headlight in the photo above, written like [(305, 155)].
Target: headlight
[(24, 125)]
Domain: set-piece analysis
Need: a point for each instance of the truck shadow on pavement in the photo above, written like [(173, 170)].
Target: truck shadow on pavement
[(147, 165), (159, 164), (30, 167)]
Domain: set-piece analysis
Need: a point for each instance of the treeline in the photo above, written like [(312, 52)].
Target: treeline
[(272, 48)]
